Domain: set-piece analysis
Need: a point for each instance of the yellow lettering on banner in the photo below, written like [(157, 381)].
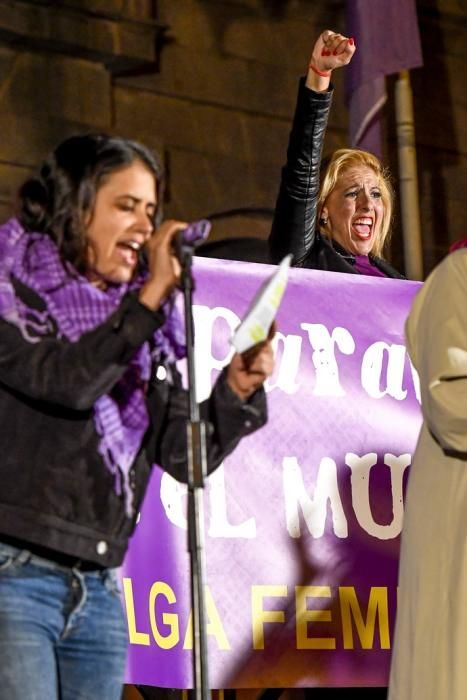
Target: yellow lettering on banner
[(305, 615), (213, 624), (135, 637), (167, 641), (350, 610), (260, 616)]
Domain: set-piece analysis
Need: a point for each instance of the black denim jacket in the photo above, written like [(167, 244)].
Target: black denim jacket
[(55, 491)]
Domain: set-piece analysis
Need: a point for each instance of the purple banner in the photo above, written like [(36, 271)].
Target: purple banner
[(303, 519)]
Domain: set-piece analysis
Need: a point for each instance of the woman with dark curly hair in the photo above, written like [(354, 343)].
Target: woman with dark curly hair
[(90, 398)]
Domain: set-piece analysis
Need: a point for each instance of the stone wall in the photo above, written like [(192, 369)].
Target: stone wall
[(211, 84)]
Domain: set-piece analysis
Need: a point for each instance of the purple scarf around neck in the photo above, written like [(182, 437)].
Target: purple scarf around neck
[(77, 306)]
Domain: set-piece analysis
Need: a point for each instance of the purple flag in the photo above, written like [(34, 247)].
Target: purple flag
[(388, 41)]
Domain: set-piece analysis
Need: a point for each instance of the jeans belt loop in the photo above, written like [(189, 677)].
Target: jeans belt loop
[(23, 556)]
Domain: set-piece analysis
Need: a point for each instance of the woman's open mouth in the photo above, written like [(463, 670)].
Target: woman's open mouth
[(129, 251), (363, 227)]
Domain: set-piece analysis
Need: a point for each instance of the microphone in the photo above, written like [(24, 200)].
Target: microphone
[(189, 238)]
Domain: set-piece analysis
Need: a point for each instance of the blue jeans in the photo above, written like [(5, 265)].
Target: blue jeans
[(62, 631)]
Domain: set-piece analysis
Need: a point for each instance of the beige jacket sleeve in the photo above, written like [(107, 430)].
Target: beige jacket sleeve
[(436, 334)]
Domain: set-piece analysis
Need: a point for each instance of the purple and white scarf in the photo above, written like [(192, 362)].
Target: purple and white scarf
[(76, 306)]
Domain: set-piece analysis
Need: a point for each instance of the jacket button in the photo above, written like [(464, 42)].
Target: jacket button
[(161, 373), (101, 547)]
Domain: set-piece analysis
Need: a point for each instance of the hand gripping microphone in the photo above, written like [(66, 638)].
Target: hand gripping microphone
[(190, 237)]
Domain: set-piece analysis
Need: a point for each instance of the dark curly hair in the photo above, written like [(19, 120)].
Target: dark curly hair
[(56, 201)]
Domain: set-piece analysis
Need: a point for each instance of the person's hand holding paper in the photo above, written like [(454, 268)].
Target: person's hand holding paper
[(248, 370)]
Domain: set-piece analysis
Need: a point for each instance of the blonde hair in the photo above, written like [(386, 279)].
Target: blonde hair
[(341, 161)]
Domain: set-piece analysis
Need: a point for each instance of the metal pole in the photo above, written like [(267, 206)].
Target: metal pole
[(197, 469), (410, 211)]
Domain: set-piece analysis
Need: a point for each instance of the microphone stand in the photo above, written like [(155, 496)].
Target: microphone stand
[(197, 469)]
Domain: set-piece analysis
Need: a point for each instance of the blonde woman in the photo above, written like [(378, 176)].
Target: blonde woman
[(343, 225)]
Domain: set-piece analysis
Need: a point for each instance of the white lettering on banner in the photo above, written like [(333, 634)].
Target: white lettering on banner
[(314, 509), (288, 361), (326, 491), (372, 370), (173, 499), (328, 364), (360, 483), (383, 374), (219, 525), (204, 319), (324, 356), (172, 494)]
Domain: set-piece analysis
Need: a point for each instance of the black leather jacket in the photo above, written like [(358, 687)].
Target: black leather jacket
[(294, 223), (55, 491)]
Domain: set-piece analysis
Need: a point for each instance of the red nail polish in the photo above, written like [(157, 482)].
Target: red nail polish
[(351, 41), (334, 53)]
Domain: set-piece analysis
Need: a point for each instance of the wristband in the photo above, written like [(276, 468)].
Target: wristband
[(323, 74)]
